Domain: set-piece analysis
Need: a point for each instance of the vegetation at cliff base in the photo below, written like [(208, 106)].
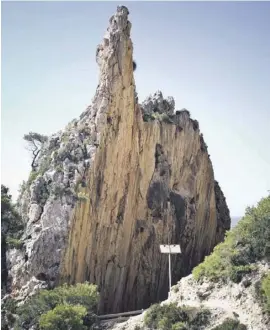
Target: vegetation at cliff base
[(64, 317), (266, 291), (11, 223), (244, 245), (230, 324), (172, 317), (55, 309), (11, 230), (263, 292)]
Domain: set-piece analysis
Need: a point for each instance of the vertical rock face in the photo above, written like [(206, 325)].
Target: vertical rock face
[(115, 184), (151, 182)]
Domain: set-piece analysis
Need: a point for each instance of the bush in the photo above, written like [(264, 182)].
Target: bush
[(14, 243), (201, 318), (32, 177), (172, 317), (10, 305), (163, 317), (8, 309), (64, 317), (179, 326), (265, 289), (30, 312), (245, 244), (230, 324), (82, 197), (83, 294)]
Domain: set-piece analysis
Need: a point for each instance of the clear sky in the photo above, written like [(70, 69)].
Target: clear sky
[(212, 57)]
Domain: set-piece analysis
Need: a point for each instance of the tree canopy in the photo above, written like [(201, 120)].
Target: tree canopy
[(35, 142)]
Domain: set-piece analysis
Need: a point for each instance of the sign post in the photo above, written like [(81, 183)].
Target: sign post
[(170, 249)]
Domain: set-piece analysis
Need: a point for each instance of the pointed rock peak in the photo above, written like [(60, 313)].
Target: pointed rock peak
[(117, 32), (114, 57)]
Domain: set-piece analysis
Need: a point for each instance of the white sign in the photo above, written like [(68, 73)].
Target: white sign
[(172, 249)]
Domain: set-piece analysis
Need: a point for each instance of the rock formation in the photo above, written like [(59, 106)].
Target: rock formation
[(236, 301), (115, 184)]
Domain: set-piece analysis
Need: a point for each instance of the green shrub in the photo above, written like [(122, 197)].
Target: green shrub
[(265, 288), (44, 166), (245, 244), (32, 177), (137, 327), (238, 272), (63, 317), (14, 243), (8, 309), (230, 324), (179, 326), (10, 305), (201, 318), (175, 289), (163, 317), (172, 317), (82, 197), (83, 294)]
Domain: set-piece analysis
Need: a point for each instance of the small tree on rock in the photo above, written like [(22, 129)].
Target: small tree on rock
[(35, 142)]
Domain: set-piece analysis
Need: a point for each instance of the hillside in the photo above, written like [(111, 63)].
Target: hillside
[(230, 290)]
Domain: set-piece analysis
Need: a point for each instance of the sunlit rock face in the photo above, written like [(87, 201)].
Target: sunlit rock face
[(113, 185)]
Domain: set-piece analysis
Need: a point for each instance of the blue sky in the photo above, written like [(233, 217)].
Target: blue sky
[(212, 57)]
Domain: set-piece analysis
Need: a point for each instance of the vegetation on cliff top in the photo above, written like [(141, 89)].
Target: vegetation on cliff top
[(244, 245)]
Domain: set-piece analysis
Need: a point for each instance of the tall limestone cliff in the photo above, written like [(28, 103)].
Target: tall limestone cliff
[(115, 184)]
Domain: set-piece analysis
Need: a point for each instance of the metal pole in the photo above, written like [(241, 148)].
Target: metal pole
[(170, 249), (170, 274)]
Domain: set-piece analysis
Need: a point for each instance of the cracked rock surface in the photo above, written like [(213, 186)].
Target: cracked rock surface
[(112, 186)]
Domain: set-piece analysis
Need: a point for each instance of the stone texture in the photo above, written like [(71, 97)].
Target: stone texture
[(112, 187), (223, 300), (150, 182), (156, 103)]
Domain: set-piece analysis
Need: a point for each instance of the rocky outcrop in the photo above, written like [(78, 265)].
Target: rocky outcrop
[(237, 301), (113, 185)]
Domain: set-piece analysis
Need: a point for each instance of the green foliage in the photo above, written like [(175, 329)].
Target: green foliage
[(35, 142), (64, 317), (172, 317), (265, 289), (32, 177), (200, 318), (44, 165), (34, 137), (14, 243), (175, 288), (237, 272), (82, 197), (245, 244), (231, 324), (162, 117), (30, 312), (11, 223), (137, 327), (8, 309), (83, 294), (11, 228), (10, 305), (179, 326)]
